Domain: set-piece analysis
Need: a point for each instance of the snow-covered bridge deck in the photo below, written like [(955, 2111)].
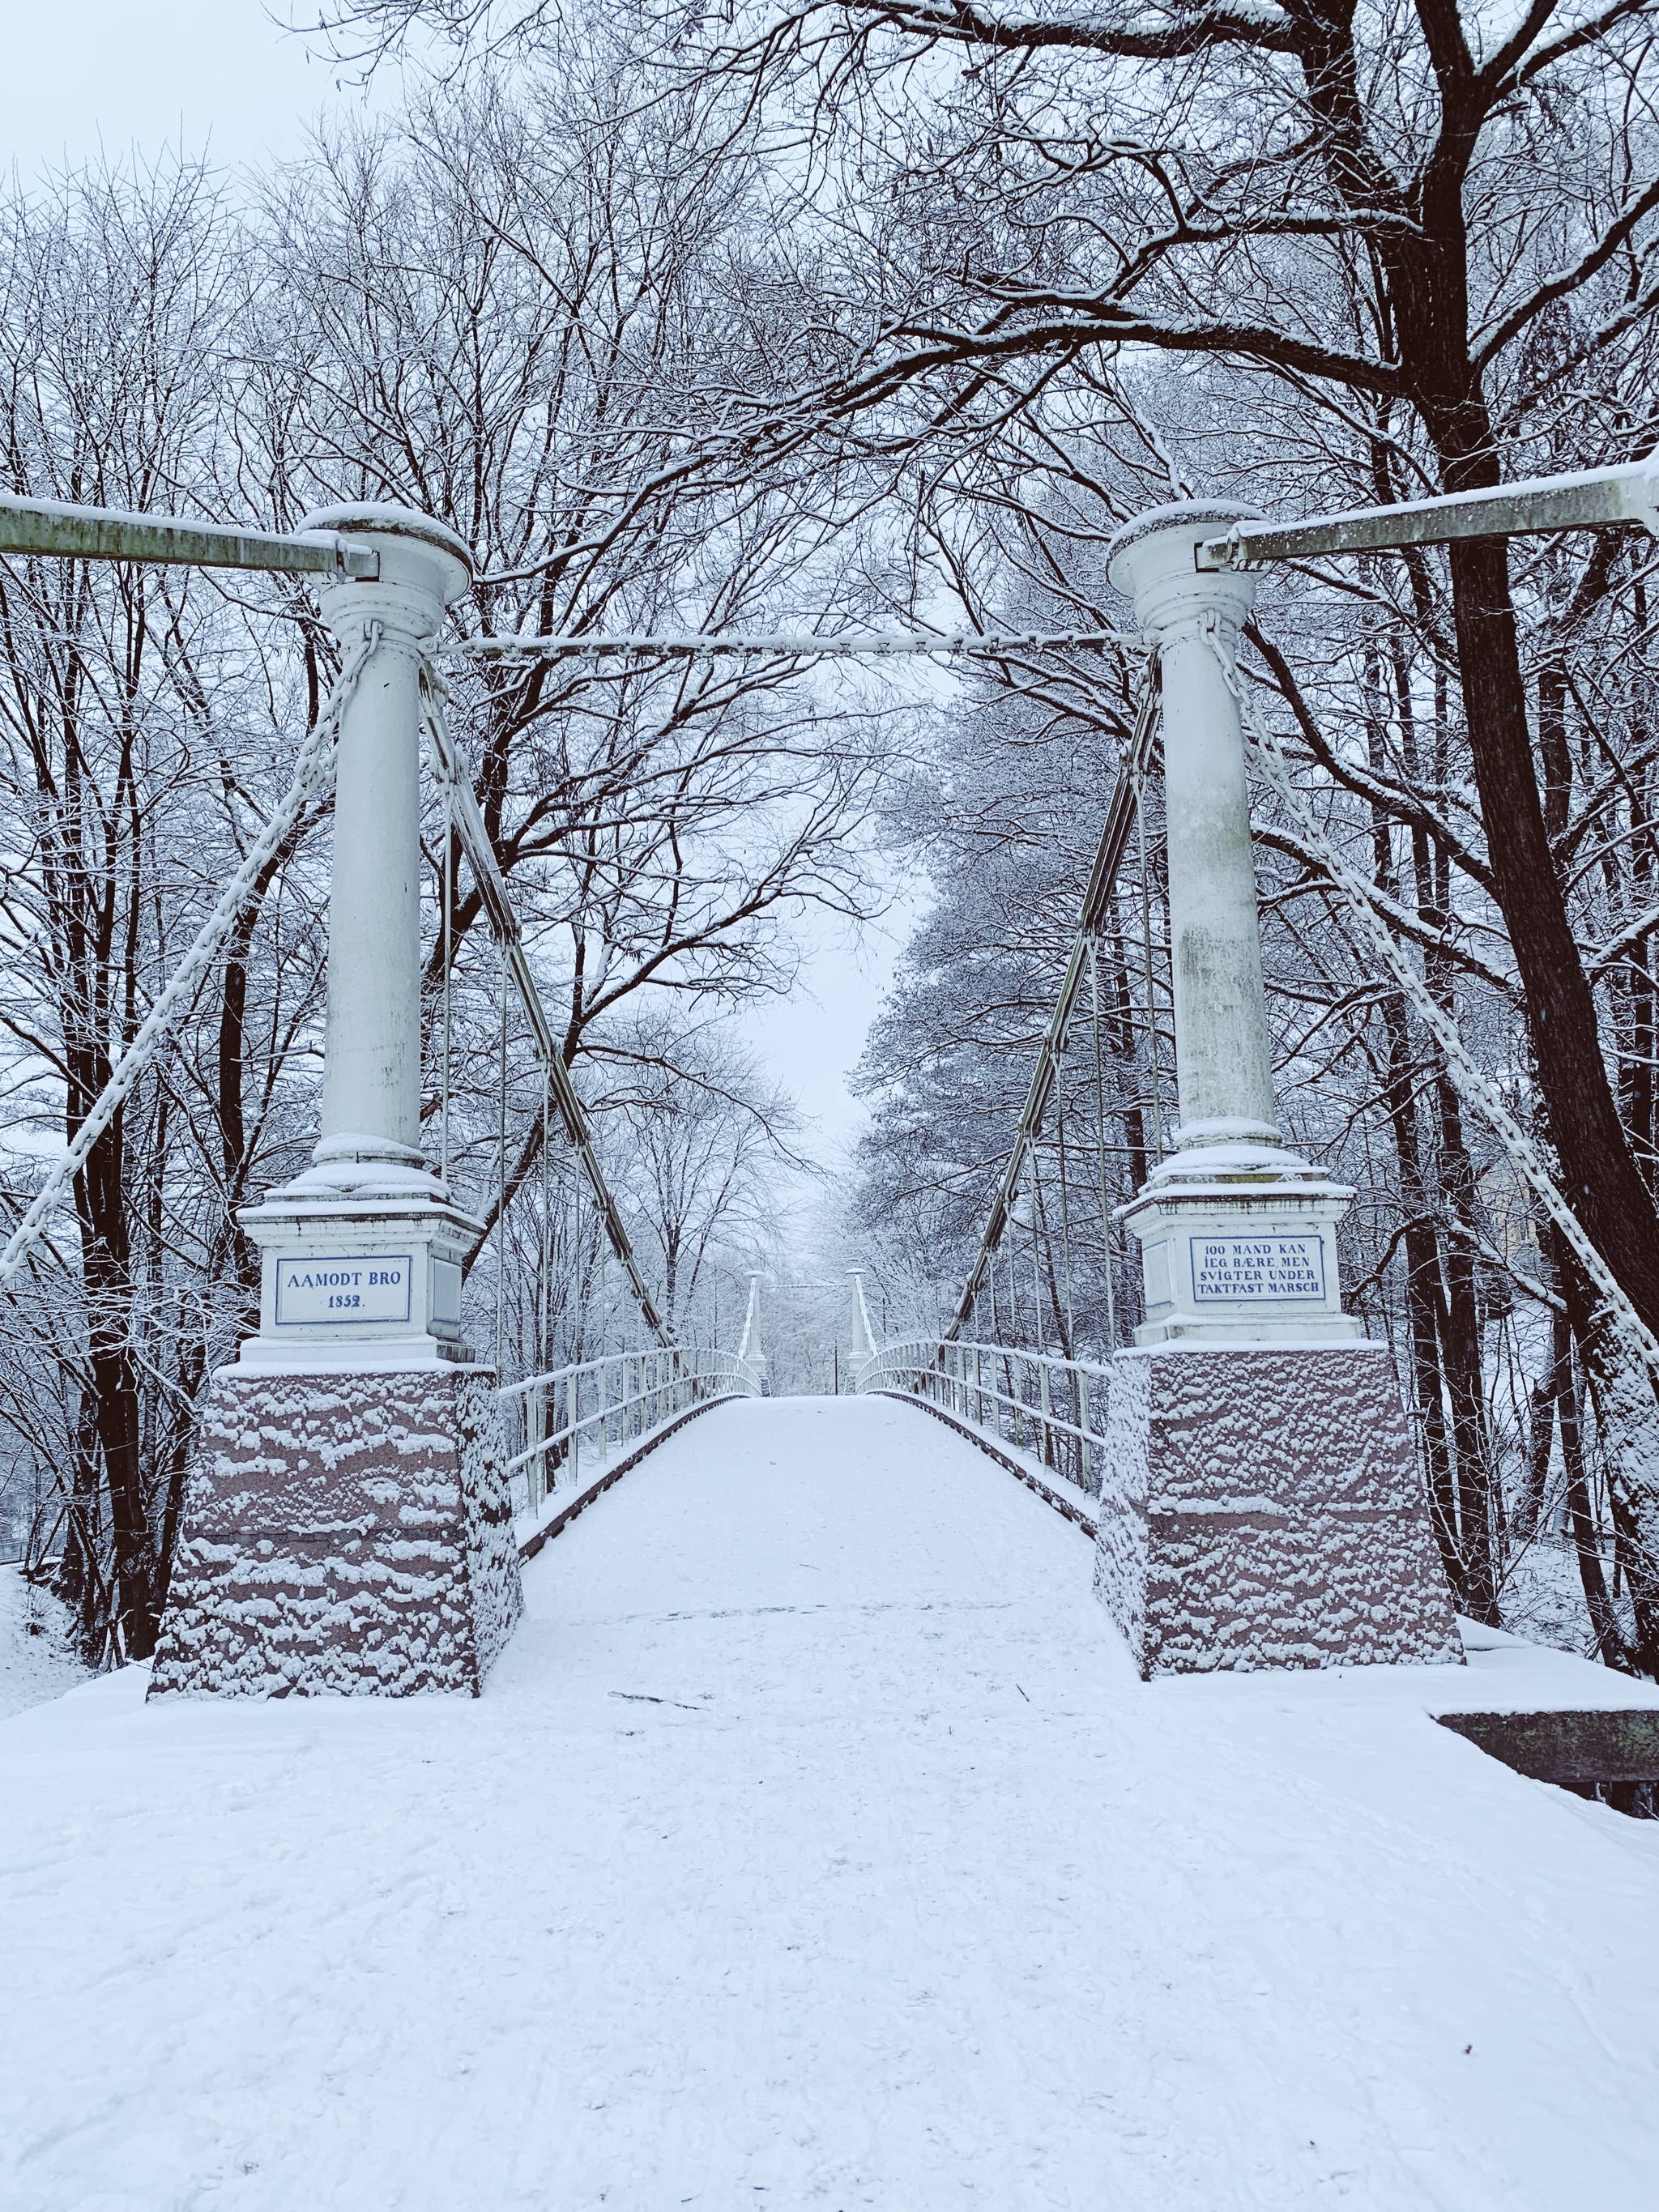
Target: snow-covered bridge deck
[(815, 1844)]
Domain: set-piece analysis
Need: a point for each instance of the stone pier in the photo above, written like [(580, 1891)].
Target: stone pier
[(347, 1526), (1262, 1505)]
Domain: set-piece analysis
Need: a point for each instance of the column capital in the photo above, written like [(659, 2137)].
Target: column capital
[(1153, 561), (424, 566)]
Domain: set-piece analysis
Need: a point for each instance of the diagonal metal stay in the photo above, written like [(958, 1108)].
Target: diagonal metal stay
[(1589, 499), (492, 891), (314, 776), (1120, 820), (59, 530), (108, 533)]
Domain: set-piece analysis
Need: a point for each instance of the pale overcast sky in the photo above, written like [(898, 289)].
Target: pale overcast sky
[(220, 76), (133, 75)]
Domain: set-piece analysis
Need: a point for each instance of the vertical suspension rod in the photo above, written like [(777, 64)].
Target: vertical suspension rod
[(504, 924), (1121, 814)]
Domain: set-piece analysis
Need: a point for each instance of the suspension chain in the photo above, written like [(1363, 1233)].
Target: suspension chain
[(1471, 1080), (314, 777)]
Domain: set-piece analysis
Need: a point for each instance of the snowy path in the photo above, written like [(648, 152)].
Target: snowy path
[(814, 1846)]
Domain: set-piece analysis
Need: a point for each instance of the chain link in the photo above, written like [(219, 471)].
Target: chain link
[(314, 775), (1471, 1080)]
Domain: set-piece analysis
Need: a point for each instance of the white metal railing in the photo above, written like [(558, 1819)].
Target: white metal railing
[(1037, 1402), (563, 1428)]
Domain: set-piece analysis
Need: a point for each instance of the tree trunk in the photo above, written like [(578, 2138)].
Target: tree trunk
[(1425, 1302), (1599, 1173), (1465, 1387), (106, 1271), (1627, 1418)]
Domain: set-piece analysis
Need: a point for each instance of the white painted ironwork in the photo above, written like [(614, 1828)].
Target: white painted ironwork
[(368, 1199), (313, 772), (582, 1415), (1049, 1408), (748, 1317), (452, 773), (1588, 499), (53, 527), (1121, 812), (857, 1273)]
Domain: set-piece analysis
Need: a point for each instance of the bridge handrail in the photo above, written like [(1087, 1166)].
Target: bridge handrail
[(962, 1378), (669, 1378)]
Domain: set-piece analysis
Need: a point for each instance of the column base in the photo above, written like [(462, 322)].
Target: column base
[(360, 1261), (1264, 1510), (1238, 1245), (344, 1533)]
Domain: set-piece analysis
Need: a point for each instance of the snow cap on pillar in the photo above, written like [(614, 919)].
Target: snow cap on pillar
[(414, 549), (1153, 562)]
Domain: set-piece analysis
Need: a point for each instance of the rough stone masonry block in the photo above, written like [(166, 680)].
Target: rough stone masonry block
[(1263, 1508), (343, 1534)]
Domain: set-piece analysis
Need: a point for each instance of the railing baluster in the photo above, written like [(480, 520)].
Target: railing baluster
[(1019, 1405), (627, 1394)]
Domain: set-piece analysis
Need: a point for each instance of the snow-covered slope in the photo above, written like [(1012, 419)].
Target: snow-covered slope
[(36, 1661), (814, 1844)]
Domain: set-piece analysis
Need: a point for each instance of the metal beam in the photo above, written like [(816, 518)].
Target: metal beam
[(105, 533), (1593, 499)]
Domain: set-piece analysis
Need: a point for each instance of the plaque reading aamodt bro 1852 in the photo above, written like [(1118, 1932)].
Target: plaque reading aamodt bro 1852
[(371, 1287), (1257, 1267)]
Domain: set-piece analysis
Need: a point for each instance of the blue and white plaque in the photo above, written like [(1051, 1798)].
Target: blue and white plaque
[(320, 1293), (1259, 1270)]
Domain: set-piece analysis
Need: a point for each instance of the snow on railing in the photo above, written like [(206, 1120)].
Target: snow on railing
[(1037, 1403), (579, 1417)]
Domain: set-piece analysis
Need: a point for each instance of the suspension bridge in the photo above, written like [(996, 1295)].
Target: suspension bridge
[(1244, 1465), (1036, 1778)]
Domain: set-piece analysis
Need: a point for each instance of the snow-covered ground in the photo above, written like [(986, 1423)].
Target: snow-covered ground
[(36, 1661), (815, 1844)]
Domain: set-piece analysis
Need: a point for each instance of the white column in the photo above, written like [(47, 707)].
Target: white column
[(1238, 1234), (361, 1253), (372, 1060), (1224, 1068)]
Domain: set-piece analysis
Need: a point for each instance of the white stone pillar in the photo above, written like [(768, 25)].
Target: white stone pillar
[(348, 1525), (361, 1252), (1260, 1504), (371, 1064), (1223, 1065), (1238, 1235)]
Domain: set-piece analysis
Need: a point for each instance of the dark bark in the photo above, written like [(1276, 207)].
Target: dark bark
[(1581, 1516), (1427, 284), (232, 1060), (1599, 1173), (1629, 1427), (80, 1581), (1636, 1100), (1465, 1387), (1425, 1299), (1119, 1014), (107, 1268)]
